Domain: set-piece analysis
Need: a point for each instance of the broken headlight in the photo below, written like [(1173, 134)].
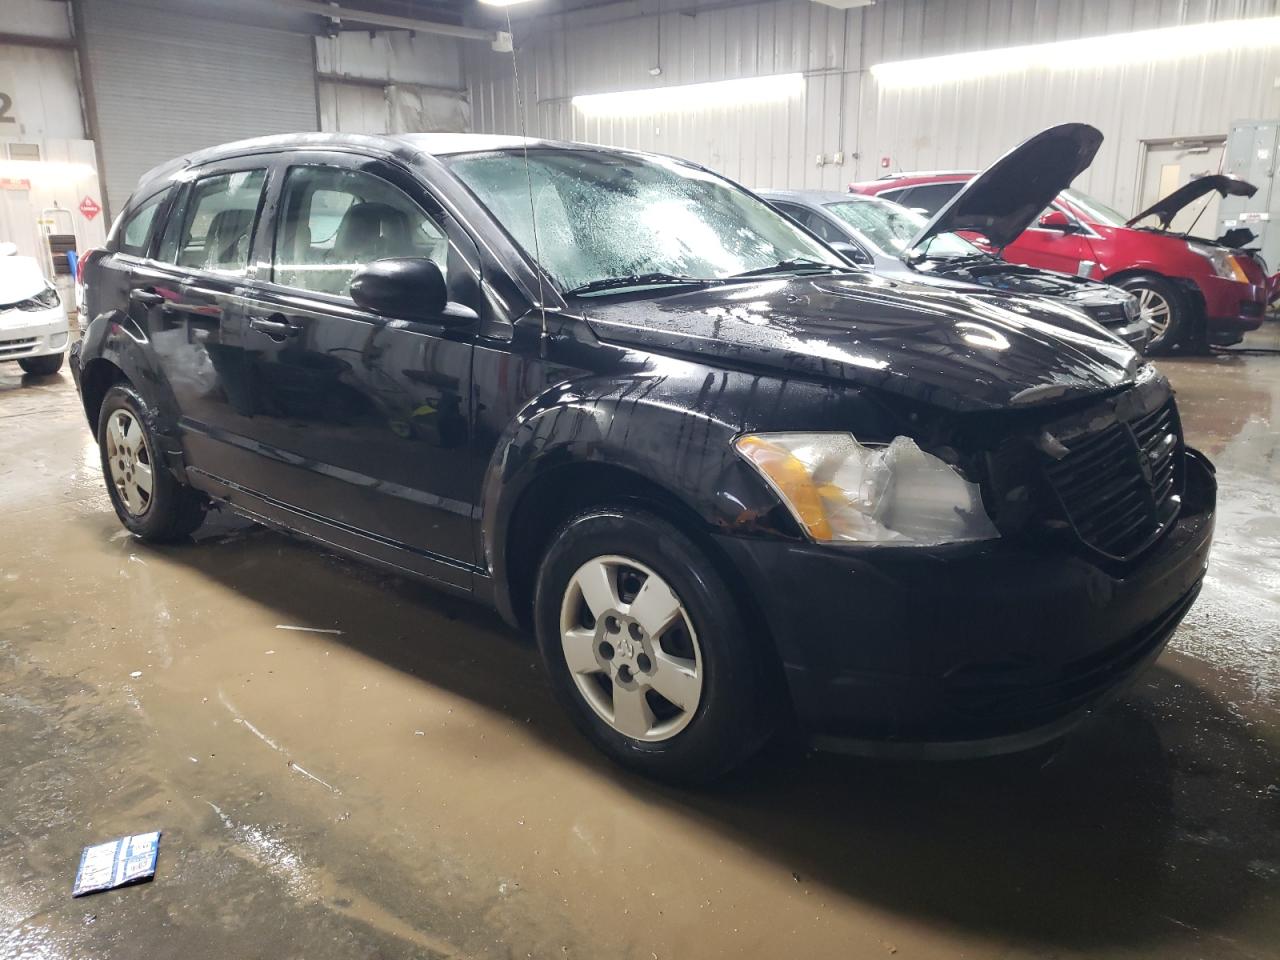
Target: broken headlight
[(43, 300), (841, 491)]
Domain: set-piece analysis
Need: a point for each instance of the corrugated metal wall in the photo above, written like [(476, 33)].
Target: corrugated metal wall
[(963, 124)]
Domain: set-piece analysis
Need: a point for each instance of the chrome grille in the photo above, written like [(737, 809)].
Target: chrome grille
[(1119, 487)]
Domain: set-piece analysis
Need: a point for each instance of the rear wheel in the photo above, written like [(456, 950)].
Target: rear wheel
[(148, 499), (42, 366), (647, 648), (1167, 309)]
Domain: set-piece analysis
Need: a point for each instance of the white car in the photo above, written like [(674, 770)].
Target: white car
[(33, 322)]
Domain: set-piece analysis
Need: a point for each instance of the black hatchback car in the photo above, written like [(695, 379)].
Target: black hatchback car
[(726, 479)]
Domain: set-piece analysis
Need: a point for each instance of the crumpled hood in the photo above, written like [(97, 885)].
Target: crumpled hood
[(20, 279), (1003, 200), (1166, 208), (942, 347)]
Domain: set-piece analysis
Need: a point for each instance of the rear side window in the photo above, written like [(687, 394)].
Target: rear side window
[(214, 230), (135, 232)]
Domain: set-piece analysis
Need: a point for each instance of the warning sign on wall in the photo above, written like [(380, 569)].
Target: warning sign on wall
[(89, 207)]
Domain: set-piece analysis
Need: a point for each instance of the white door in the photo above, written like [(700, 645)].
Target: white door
[(1171, 165)]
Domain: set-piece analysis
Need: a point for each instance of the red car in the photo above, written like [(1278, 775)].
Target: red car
[(1194, 290)]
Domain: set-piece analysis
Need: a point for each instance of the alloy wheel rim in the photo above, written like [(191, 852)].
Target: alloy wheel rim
[(1155, 310), (631, 649), (130, 462)]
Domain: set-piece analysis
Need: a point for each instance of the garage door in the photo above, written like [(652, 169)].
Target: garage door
[(168, 83)]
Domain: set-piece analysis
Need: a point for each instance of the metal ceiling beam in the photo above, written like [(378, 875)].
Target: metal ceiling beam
[(365, 17)]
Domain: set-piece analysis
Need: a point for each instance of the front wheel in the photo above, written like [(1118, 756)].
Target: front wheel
[(647, 648), (42, 366), (1166, 309), (149, 500)]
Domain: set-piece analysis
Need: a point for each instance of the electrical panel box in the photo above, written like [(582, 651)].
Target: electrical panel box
[(1251, 155)]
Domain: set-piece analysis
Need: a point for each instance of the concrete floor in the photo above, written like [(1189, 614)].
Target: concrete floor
[(403, 785)]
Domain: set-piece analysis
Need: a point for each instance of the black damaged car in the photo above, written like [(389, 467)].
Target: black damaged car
[(727, 480)]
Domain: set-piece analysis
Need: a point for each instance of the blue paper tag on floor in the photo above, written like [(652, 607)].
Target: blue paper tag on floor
[(105, 866)]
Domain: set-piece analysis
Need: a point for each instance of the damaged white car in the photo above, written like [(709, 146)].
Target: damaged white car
[(33, 322)]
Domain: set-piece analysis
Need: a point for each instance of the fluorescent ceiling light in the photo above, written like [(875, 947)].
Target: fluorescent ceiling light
[(502, 3), (693, 96), (1110, 50)]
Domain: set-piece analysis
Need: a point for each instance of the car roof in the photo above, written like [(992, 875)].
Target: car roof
[(898, 181), (431, 144), (817, 197)]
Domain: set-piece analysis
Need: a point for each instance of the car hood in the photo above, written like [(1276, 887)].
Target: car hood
[(1167, 208), (942, 347), (1004, 199), (20, 279)]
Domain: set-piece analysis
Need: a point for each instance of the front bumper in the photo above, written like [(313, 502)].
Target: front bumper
[(33, 333), (969, 649), (1232, 308)]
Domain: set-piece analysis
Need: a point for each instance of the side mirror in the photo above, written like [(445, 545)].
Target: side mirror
[(403, 288), (850, 251), (1057, 220)]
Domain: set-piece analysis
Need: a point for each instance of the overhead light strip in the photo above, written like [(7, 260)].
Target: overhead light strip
[(1088, 53), (692, 96)]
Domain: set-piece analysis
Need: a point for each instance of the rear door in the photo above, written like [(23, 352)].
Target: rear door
[(354, 427), (193, 285)]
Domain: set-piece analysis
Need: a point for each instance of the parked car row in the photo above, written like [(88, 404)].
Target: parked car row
[(895, 241), (1195, 290), (726, 477)]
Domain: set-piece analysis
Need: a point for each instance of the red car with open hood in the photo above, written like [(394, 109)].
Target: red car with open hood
[(1193, 289)]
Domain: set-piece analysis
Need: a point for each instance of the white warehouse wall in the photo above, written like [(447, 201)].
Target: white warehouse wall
[(843, 110)]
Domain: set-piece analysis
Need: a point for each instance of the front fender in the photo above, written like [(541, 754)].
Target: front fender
[(636, 425)]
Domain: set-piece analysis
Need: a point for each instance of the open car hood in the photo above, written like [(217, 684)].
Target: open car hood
[(1009, 195), (1167, 208), (20, 279)]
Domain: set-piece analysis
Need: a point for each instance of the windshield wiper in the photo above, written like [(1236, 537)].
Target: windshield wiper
[(635, 280), (793, 264)]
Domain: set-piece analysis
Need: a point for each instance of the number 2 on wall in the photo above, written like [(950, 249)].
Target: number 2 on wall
[(6, 104)]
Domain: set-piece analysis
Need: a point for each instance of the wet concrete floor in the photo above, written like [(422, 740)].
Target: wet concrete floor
[(396, 781)]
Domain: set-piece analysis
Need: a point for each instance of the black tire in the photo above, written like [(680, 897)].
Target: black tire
[(173, 510), (736, 710), (42, 366), (1180, 334)]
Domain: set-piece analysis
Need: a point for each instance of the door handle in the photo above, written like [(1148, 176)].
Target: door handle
[(275, 326), (145, 297)]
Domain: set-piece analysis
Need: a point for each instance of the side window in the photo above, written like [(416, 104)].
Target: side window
[(215, 229), (136, 231), (901, 195), (789, 210), (931, 197), (334, 221), (819, 225)]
